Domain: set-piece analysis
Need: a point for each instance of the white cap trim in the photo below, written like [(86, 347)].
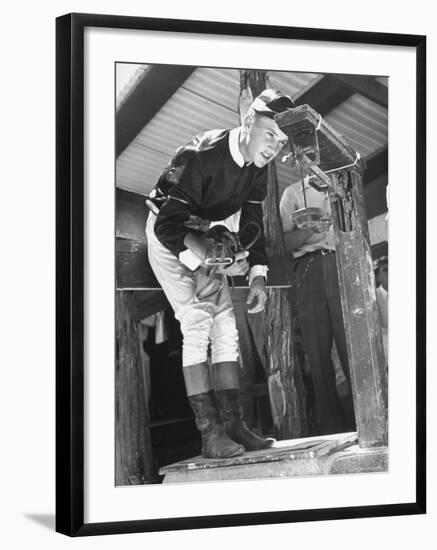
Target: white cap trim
[(259, 105)]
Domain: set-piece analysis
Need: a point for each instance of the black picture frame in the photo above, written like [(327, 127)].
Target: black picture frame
[(70, 273)]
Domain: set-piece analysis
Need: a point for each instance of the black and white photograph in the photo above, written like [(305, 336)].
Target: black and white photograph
[(252, 254), (204, 206), (229, 202)]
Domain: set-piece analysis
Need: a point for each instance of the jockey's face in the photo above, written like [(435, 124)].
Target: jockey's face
[(263, 140)]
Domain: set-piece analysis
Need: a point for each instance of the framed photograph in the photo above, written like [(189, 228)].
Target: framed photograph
[(229, 200)]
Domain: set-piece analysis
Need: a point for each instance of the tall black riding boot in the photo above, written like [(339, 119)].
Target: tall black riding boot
[(215, 442), (235, 426), (227, 393)]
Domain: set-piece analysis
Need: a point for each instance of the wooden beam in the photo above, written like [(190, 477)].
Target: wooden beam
[(132, 265), (131, 215), (367, 86), (376, 165), (375, 181), (152, 92), (326, 94), (379, 249), (375, 197)]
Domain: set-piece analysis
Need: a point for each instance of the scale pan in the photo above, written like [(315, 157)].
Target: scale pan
[(304, 218)]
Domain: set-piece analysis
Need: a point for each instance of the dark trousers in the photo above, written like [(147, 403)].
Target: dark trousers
[(321, 320)]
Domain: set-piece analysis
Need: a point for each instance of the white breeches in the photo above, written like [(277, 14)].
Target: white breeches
[(210, 321)]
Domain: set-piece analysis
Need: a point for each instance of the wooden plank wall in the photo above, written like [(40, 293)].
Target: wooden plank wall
[(134, 463)]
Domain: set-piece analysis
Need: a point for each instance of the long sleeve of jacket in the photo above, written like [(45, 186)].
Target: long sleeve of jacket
[(183, 200), (252, 211)]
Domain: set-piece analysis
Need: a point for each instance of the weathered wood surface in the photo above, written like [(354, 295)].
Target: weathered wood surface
[(273, 230), (132, 267), (360, 310), (325, 94), (131, 215), (309, 448), (367, 86), (148, 302), (284, 377), (133, 447), (355, 460), (345, 459)]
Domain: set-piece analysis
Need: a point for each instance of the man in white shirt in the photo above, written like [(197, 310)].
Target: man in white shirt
[(318, 304)]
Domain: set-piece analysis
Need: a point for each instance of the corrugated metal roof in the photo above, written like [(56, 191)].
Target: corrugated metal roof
[(220, 86), (362, 122), (193, 109), (209, 99), (293, 84)]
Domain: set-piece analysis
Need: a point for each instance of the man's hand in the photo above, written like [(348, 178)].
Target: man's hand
[(197, 223), (322, 225), (257, 291), (222, 246), (239, 267)]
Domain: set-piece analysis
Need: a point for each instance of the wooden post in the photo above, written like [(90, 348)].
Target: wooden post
[(133, 447), (360, 311), (286, 388), (285, 382)]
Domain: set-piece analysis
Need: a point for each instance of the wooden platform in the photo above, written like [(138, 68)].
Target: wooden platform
[(298, 457)]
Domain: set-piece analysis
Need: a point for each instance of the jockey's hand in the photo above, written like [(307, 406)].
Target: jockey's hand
[(239, 267), (197, 223), (257, 295)]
